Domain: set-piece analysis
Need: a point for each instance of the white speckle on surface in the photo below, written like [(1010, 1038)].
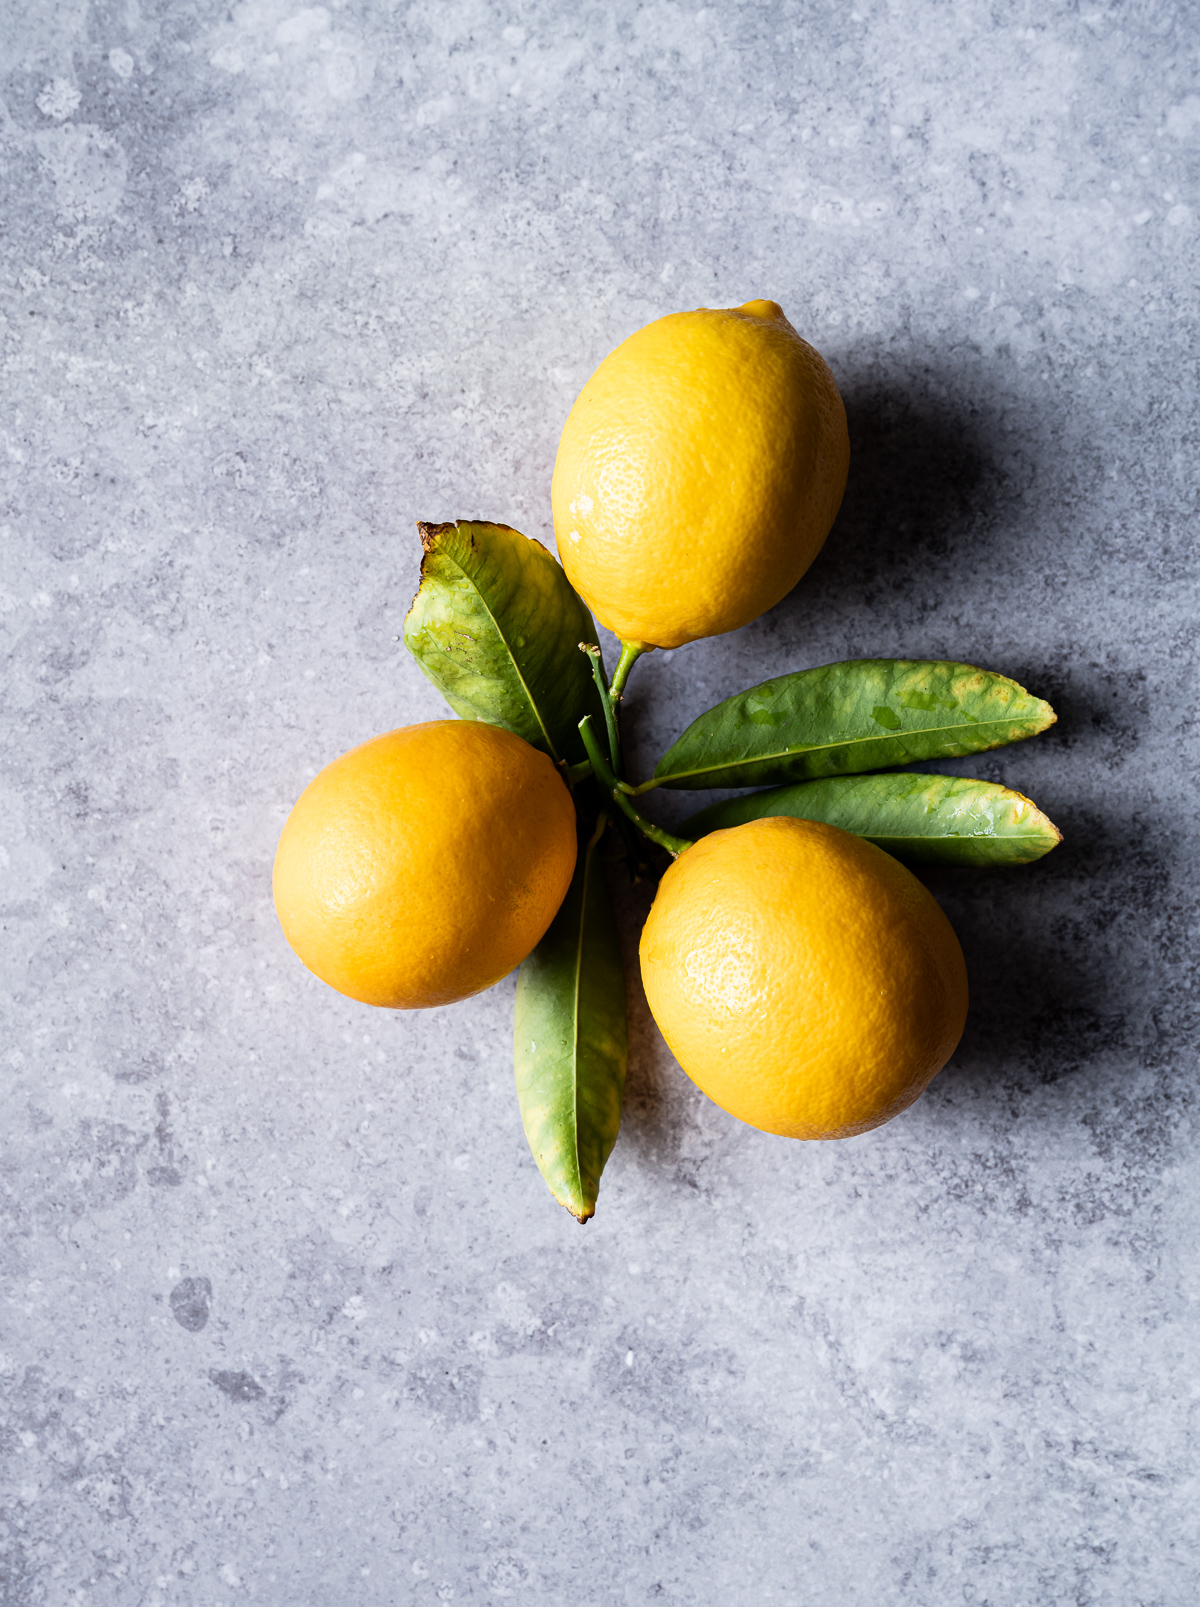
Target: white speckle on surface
[(229, 59), (192, 193), (121, 62), (59, 99)]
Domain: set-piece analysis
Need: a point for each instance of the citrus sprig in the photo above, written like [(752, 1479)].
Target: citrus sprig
[(612, 786)]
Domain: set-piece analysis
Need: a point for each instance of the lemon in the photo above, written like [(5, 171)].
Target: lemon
[(698, 474), (424, 865), (803, 979)]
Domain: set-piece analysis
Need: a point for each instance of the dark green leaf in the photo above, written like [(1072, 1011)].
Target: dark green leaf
[(866, 714), (570, 1043), (924, 820), (496, 627)]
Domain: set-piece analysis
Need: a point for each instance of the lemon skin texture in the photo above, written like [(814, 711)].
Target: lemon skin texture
[(698, 474), (804, 979), (424, 865)]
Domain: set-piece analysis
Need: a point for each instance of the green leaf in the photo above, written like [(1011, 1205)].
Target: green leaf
[(570, 1041), (921, 819), (866, 714), (496, 626)]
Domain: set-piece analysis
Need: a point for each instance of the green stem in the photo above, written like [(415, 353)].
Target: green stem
[(601, 822), (608, 781), (610, 708), (630, 653), (642, 786), (579, 772)]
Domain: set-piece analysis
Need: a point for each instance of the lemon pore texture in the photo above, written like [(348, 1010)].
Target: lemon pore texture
[(803, 979), (698, 474), (424, 865)]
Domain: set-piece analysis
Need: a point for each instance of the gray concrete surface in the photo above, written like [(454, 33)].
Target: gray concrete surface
[(288, 1315)]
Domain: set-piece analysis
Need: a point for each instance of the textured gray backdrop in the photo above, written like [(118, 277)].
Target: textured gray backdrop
[(288, 1314)]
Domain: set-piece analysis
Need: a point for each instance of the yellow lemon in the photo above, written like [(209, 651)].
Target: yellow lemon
[(424, 865), (804, 979), (698, 474)]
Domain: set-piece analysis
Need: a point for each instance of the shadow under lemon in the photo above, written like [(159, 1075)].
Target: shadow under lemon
[(937, 480)]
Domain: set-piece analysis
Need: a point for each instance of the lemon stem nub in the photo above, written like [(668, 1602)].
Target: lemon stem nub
[(608, 781), (630, 653)]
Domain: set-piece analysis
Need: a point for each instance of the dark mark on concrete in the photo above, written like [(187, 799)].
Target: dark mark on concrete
[(238, 1386), (191, 1299)]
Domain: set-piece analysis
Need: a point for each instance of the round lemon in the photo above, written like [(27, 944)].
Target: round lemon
[(803, 979), (424, 865), (698, 474)]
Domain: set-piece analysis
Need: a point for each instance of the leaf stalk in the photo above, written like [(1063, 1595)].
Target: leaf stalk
[(630, 653), (608, 781), (609, 705)]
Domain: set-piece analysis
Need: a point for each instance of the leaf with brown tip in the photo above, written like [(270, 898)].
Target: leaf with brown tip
[(496, 626)]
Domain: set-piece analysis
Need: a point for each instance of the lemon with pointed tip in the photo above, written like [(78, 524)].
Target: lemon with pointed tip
[(426, 864), (698, 473), (803, 978)]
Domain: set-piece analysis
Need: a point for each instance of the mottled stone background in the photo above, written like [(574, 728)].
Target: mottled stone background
[(288, 1314)]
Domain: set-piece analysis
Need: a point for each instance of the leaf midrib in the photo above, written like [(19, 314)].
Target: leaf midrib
[(848, 742), (537, 713), (924, 836), (951, 836), (587, 871)]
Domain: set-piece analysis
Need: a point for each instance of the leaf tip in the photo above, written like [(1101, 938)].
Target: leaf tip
[(429, 533), (1041, 821), (574, 1204)]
